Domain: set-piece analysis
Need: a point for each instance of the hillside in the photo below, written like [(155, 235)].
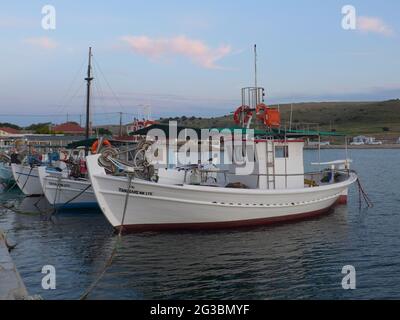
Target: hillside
[(381, 119)]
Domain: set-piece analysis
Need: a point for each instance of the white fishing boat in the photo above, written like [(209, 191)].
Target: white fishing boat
[(71, 187), (195, 197), (172, 203), (27, 179), (62, 190), (6, 175)]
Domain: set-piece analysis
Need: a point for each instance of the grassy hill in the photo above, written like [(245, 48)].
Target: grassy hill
[(381, 119)]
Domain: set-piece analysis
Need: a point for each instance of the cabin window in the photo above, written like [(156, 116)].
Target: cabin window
[(282, 152)]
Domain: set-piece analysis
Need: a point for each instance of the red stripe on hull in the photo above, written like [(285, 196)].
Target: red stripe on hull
[(342, 200), (223, 225)]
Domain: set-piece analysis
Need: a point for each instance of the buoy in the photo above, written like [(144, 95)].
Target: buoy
[(96, 144)]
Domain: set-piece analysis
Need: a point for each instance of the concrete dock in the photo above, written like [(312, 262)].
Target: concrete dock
[(11, 284)]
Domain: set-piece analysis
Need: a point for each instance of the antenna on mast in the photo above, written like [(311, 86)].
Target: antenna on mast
[(255, 65), (255, 74)]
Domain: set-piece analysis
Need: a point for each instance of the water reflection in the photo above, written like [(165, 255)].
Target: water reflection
[(297, 260)]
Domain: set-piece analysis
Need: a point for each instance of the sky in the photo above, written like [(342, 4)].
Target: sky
[(191, 57)]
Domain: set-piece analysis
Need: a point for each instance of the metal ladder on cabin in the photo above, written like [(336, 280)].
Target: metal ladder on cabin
[(270, 157)]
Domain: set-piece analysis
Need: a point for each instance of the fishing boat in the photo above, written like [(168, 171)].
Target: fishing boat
[(26, 172), (5, 168), (6, 176), (72, 187), (195, 196), (65, 191), (27, 179)]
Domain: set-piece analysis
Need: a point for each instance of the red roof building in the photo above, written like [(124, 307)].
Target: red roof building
[(8, 131), (69, 128)]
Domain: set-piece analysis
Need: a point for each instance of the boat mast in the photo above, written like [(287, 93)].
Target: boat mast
[(255, 72), (88, 79)]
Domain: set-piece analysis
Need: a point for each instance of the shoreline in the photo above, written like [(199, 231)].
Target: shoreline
[(12, 286), (333, 147)]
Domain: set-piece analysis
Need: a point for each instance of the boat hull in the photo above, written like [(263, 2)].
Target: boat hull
[(27, 179), (6, 175), (153, 206), (64, 192)]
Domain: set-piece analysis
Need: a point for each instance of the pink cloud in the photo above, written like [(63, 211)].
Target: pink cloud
[(373, 25), (41, 42), (197, 51)]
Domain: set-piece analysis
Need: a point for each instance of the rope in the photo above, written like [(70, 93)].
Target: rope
[(16, 181), (130, 176), (55, 196), (29, 175), (116, 247), (363, 195), (77, 196), (15, 210)]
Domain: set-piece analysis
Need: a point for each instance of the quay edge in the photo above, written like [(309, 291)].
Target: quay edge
[(11, 284)]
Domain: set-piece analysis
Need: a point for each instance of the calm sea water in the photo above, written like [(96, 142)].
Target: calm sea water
[(300, 260)]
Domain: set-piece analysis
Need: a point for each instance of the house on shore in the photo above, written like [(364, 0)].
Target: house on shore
[(68, 128), (9, 132), (361, 140)]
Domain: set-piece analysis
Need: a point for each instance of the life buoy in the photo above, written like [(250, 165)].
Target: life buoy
[(269, 116), (261, 110), (95, 145), (242, 109)]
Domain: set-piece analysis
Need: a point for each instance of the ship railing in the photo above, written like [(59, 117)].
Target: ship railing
[(312, 179)]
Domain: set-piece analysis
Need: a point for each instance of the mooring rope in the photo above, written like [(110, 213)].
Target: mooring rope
[(116, 247), (16, 181), (17, 211), (77, 196), (364, 195), (29, 175)]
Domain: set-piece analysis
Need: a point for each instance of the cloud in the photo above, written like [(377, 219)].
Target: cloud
[(197, 51), (374, 25), (41, 42)]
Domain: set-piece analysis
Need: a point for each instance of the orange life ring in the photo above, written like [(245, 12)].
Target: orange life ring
[(261, 110), (242, 109), (95, 145)]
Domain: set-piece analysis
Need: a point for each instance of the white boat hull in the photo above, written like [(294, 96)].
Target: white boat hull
[(153, 206), (6, 175), (27, 179), (65, 192)]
